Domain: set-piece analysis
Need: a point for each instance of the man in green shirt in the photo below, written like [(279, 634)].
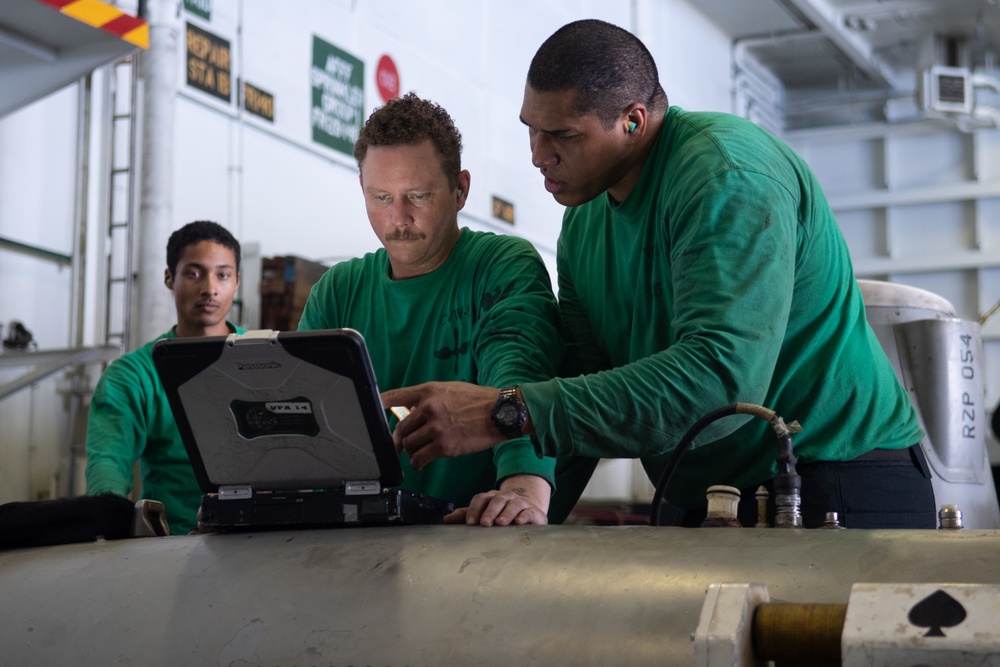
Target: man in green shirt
[(699, 266), (439, 302), (130, 419)]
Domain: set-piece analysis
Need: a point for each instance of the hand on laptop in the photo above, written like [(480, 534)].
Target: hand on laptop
[(521, 499), (446, 419)]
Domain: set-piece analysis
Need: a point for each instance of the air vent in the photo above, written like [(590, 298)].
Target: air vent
[(948, 89)]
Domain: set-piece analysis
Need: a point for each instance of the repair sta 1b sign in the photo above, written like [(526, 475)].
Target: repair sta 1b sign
[(338, 96)]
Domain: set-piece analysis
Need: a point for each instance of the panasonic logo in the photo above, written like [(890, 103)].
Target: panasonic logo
[(298, 408), (262, 366)]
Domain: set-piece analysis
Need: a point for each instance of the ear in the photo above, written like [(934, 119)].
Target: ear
[(462, 188), (167, 279), (634, 120)]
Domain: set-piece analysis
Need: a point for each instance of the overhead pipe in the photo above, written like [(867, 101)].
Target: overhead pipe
[(831, 21)]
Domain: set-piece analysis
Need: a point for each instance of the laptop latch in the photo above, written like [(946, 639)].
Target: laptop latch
[(361, 488), (235, 492), (253, 337)]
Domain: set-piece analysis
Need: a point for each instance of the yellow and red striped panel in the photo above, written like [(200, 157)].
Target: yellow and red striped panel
[(106, 17)]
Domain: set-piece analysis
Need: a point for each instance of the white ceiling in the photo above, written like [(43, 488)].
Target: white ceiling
[(831, 54)]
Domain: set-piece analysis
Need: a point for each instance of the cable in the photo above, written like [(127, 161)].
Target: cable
[(786, 460), (675, 459)]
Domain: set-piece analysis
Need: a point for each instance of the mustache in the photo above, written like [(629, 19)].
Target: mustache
[(405, 235)]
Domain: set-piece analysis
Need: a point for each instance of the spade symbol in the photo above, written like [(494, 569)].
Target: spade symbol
[(938, 610)]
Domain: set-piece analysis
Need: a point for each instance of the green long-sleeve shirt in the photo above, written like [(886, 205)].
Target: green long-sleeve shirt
[(722, 278), (130, 420), (486, 316)]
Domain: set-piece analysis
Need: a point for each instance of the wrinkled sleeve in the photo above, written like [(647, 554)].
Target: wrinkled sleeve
[(116, 429), (732, 254), (583, 354), (518, 339)]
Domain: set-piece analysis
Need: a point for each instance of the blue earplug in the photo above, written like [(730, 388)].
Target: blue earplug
[(631, 126)]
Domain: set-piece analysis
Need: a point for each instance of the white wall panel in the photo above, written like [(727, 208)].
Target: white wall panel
[(38, 172), (299, 203), (692, 55), (941, 229), (932, 159), (201, 165), (844, 167), (864, 232)]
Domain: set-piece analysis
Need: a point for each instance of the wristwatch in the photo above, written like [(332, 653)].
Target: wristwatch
[(509, 413)]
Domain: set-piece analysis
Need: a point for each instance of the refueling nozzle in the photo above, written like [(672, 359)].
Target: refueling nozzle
[(787, 483)]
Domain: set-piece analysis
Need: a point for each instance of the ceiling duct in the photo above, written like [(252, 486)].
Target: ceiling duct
[(947, 89), (948, 84), (842, 62)]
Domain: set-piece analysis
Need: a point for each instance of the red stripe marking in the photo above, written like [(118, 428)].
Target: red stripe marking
[(58, 4), (122, 24)]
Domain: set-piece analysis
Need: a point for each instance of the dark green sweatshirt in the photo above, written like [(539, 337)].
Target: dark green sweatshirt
[(722, 278)]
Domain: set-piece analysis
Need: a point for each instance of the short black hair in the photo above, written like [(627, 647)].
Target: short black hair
[(196, 232), (609, 67), (411, 120)]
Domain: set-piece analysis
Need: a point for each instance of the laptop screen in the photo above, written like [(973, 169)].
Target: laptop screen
[(278, 410)]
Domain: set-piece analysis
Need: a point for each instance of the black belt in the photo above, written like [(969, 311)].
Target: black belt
[(914, 455), (903, 454)]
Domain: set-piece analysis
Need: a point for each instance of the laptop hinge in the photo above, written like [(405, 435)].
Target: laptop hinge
[(362, 487), (235, 492), (253, 337)]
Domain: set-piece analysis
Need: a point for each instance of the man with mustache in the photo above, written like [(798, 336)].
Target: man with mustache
[(439, 302), (700, 266), (130, 419)]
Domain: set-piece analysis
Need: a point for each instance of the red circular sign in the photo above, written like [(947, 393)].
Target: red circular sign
[(387, 78)]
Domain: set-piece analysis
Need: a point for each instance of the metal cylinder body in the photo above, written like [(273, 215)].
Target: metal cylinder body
[(436, 595)]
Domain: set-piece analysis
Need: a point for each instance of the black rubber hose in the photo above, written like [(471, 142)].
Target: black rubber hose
[(682, 446)]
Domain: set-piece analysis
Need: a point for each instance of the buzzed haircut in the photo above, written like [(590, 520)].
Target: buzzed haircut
[(609, 67), (196, 232), (411, 120)]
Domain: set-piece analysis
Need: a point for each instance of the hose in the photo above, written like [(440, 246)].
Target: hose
[(783, 431)]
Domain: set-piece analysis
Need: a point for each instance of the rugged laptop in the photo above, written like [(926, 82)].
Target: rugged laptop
[(287, 429)]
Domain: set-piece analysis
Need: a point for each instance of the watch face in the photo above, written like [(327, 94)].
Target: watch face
[(507, 414)]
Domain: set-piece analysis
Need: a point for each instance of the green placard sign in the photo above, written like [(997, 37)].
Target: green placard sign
[(202, 8), (338, 96)]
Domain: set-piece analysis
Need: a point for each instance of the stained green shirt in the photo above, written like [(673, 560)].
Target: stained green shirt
[(722, 278), (486, 316), (130, 420)]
